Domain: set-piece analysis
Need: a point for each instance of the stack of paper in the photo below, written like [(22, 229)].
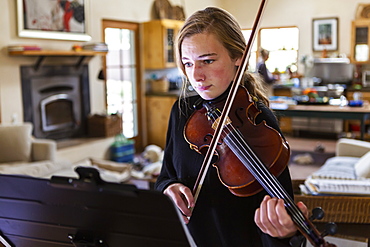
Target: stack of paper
[(336, 186), (337, 176)]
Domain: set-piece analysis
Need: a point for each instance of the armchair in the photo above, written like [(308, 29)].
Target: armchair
[(23, 154), (18, 145), (351, 147)]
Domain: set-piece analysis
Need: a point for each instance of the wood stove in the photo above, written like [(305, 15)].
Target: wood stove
[(56, 100)]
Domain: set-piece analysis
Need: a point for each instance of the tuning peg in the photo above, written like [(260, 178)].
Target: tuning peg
[(330, 229), (317, 214)]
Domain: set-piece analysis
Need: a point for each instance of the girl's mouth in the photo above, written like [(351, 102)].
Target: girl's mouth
[(204, 88)]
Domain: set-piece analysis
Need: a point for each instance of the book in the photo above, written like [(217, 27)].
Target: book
[(24, 48), (99, 46)]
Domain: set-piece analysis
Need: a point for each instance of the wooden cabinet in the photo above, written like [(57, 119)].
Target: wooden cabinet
[(159, 43), (158, 113), (360, 41)]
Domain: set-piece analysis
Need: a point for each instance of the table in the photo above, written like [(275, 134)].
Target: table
[(327, 111)]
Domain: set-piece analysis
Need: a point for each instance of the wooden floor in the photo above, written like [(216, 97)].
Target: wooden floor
[(299, 171), (75, 149), (309, 144)]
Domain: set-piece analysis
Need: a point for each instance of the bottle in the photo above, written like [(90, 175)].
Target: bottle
[(343, 101)]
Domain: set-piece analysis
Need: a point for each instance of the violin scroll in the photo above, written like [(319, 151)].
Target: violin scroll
[(330, 229)]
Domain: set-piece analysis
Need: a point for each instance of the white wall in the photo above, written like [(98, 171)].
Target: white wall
[(10, 85), (300, 13), (278, 13)]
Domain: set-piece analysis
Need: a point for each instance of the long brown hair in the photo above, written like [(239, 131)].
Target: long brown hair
[(224, 26)]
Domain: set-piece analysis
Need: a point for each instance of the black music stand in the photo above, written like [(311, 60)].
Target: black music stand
[(86, 212)]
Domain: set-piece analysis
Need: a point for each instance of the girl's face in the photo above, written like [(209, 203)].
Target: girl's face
[(208, 65)]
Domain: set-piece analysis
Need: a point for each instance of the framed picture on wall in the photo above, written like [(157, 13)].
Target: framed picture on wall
[(325, 34), (53, 19)]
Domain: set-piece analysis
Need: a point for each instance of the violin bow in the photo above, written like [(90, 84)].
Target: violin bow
[(229, 101)]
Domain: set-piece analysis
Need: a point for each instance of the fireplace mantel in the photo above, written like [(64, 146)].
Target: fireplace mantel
[(41, 54)]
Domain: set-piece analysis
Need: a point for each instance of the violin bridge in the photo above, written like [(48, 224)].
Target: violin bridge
[(217, 121)]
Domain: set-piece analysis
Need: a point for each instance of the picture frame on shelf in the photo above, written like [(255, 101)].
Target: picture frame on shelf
[(325, 34), (53, 19)]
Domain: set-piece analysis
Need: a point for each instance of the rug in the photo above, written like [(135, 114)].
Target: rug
[(317, 157), (302, 171)]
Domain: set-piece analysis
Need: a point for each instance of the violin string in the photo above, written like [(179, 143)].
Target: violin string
[(263, 170), (251, 153), (274, 185), (295, 212)]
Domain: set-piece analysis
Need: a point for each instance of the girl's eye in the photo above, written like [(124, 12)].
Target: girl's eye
[(208, 61), (187, 65)]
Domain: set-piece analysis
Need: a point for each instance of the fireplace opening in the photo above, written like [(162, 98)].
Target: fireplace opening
[(56, 100), (57, 112)]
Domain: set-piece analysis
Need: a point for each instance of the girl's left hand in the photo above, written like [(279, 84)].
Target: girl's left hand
[(273, 219)]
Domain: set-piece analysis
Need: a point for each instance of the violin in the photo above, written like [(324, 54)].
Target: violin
[(241, 159), (248, 156)]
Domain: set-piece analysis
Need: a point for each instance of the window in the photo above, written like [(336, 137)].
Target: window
[(122, 74), (283, 46)]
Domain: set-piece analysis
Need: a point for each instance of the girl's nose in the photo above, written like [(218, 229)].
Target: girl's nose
[(198, 73)]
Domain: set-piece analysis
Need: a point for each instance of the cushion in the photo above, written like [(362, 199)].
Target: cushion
[(362, 166), (35, 169), (15, 142)]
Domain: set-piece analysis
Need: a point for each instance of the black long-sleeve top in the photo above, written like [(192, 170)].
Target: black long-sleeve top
[(219, 217)]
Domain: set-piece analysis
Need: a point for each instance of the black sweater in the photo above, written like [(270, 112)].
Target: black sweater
[(219, 217)]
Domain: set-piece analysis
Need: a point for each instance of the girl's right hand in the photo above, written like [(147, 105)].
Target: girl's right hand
[(182, 197)]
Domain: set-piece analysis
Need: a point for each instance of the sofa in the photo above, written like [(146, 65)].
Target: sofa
[(23, 154)]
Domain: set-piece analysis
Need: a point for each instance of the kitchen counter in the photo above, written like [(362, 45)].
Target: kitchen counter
[(328, 111)]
